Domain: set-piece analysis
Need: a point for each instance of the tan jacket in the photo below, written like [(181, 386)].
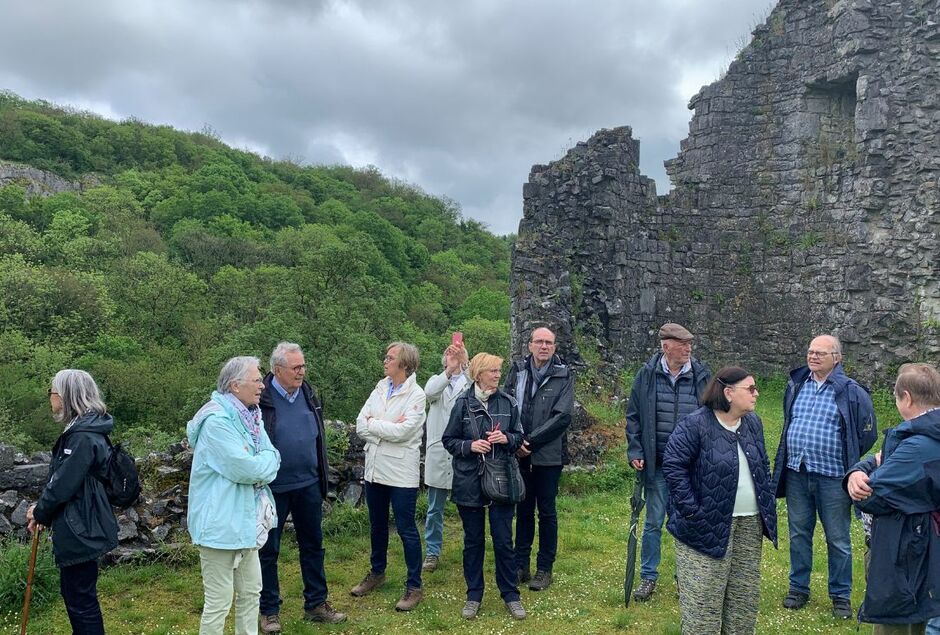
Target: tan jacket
[(393, 449)]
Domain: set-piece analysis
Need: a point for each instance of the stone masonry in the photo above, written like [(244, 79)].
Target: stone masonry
[(805, 200)]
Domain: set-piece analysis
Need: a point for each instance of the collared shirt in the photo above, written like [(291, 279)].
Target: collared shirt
[(392, 389), (814, 438), (281, 391), (685, 368)]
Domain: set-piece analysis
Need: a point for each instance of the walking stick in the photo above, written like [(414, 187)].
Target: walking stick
[(29, 581)]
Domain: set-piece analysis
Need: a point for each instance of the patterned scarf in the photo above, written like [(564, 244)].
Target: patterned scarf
[(251, 419)]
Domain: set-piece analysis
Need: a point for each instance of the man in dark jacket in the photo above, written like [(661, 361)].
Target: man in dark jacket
[(828, 423), (293, 419), (544, 390), (665, 390), (903, 496)]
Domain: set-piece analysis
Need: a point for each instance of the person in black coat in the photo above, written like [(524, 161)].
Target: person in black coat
[(73, 502), (720, 504), (484, 421)]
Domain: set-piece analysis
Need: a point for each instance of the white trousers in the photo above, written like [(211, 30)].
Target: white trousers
[(225, 571)]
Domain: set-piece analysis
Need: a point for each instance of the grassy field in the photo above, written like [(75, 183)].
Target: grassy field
[(587, 594)]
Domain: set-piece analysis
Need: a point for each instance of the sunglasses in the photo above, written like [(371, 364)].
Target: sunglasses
[(751, 389)]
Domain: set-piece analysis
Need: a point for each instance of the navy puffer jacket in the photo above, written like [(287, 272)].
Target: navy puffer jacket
[(701, 469)]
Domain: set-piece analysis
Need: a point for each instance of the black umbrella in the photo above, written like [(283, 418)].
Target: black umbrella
[(636, 506)]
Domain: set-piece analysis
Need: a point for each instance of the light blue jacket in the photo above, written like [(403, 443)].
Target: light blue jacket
[(222, 512)]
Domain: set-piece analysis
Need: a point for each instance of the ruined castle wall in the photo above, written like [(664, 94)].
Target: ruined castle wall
[(804, 201)]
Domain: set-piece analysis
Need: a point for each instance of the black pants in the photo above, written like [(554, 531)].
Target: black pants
[(77, 584), (541, 490), (305, 506), (474, 548)]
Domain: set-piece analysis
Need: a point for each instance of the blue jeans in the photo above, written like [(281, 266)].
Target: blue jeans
[(808, 495), (541, 490), (474, 548), (78, 585), (305, 506), (657, 493), (434, 522), (403, 501), (933, 626)]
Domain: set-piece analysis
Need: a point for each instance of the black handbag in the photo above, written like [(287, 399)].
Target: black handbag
[(500, 478)]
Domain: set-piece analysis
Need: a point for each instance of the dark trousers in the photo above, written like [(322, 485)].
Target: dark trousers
[(474, 548), (305, 506), (77, 584), (541, 490), (402, 501)]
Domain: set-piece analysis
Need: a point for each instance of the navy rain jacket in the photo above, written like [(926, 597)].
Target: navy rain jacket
[(859, 428), (904, 571)]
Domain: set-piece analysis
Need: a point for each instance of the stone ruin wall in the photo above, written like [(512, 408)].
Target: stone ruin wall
[(804, 200)]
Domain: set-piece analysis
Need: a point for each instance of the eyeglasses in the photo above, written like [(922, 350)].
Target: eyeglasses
[(812, 353), (52, 392), (751, 389), (543, 342), (296, 369), (388, 358)]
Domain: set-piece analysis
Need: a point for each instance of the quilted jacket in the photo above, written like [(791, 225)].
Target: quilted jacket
[(701, 469)]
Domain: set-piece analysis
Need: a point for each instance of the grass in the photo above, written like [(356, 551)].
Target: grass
[(587, 593)]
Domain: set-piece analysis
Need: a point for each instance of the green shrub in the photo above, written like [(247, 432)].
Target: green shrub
[(337, 443), (346, 520), (14, 565)]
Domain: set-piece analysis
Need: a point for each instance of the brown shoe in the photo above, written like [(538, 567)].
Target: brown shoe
[(410, 599), (270, 623), (369, 584), (324, 613), (430, 563)]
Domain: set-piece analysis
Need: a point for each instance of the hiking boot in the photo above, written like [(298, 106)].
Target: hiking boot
[(841, 608), (523, 575), (541, 581), (369, 584), (645, 590), (795, 600), (516, 610), (324, 613), (430, 563), (470, 609), (410, 599), (270, 623)]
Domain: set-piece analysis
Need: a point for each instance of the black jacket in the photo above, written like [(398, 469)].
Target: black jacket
[(641, 411), (546, 416), (269, 416), (469, 420), (74, 503)]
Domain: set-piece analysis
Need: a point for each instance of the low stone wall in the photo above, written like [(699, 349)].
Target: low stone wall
[(159, 518)]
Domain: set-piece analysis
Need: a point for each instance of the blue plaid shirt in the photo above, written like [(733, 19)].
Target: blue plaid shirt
[(814, 438)]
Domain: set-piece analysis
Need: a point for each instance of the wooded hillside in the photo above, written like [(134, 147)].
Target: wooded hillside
[(179, 252)]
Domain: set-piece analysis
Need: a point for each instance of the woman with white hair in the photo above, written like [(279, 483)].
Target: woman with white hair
[(73, 501), (231, 507)]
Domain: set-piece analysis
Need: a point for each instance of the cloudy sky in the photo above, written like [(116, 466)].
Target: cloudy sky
[(460, 98)]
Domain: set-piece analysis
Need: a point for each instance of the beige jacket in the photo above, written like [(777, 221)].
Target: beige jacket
[(438, 471), (393, 449)]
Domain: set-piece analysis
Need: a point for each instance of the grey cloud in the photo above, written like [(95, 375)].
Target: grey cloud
[(461, 98)]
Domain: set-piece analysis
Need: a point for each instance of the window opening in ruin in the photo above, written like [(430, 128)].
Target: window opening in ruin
[(833, 103)]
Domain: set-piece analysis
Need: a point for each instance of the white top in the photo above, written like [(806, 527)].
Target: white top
[(745, 502)]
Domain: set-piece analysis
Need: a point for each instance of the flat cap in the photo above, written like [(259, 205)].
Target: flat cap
[(673, 331)]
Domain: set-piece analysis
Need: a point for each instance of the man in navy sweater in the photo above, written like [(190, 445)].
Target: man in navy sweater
[(293, 419)]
